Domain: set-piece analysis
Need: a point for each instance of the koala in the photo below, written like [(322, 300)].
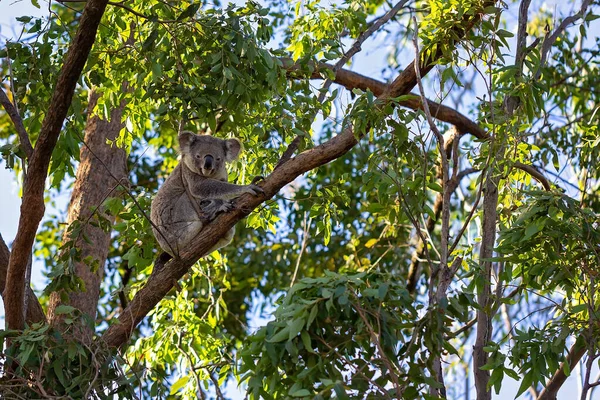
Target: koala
[(196, 191)]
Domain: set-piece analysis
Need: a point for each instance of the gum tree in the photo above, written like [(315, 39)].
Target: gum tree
[(429, 225)]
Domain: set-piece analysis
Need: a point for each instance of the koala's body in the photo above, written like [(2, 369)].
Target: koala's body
[(196, 191)]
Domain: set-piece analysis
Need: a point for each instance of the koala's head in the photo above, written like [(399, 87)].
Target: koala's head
[(206, 155)]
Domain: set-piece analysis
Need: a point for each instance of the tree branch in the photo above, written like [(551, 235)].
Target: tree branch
[(34, 312), (12, 112), (352, 80), (554, 384), (32, 206), (550, 40), (537, 175), (357, 45)]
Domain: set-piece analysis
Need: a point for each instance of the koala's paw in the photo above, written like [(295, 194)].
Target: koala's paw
[(212, 207), (255, 190)]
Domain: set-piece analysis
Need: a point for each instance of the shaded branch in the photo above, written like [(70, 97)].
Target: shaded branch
[(32, 206), (13, 113)]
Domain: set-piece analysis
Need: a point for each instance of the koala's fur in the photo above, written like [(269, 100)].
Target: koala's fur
[(196, 191)]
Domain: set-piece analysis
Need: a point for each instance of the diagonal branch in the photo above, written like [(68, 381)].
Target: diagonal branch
[(575, 354), (13, 113), (32, 206), (550, 40)]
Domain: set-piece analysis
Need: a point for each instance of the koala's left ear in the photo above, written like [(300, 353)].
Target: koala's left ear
[(233, 147), (186, 138)]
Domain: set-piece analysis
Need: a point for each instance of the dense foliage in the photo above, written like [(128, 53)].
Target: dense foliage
[(443, 248)]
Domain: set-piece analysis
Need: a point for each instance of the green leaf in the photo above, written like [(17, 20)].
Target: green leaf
[(305, 336), (189, 11), (181, 382), (280, 336), (64, 309), (295, 327), (300, 393), (525, 384)]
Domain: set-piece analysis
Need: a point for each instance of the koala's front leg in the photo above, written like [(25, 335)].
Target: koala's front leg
[(213, 189), (211, 207)]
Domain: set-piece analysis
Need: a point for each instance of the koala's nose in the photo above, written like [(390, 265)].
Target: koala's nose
[(208, 162)]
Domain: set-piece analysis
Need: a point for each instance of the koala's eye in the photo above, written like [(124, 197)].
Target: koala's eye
[(198, 156), (218, 158)]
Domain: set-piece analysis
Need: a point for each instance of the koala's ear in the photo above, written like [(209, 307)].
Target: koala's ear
[(186, 138), (233, 147)]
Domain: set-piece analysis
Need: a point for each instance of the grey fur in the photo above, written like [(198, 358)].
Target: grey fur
[(196, 191)]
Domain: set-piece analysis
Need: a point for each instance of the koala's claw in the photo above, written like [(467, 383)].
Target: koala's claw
[(212, 207), (255, 190)]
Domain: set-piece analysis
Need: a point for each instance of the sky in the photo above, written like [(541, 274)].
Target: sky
[(10, 201)]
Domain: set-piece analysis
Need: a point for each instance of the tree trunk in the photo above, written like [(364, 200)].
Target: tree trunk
[(34, 311), (101, 172)]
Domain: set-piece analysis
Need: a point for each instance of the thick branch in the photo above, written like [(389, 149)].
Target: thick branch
[(554, 384), (102, 172), (32, 207), (12, 112), (352, 80), (34, 312)]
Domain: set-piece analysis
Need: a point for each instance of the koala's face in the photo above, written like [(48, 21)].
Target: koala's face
[(206, 155)]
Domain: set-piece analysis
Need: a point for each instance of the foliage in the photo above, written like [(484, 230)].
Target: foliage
[(373, 300)]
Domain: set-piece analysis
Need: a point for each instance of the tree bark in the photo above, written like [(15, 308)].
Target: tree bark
[(33, 207), (102, 169), (34, 311), (484, 317)]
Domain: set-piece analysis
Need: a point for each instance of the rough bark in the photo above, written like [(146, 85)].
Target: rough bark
[(34, 311), (484, 317), (102, 172), (32, 206)]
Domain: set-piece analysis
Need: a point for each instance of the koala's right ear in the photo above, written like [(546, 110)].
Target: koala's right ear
[(233, 147), (186, 138)]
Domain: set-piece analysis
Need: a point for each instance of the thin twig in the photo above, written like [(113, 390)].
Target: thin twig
[(549, 40), (13, 112), (357, 46), (305, 227)]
